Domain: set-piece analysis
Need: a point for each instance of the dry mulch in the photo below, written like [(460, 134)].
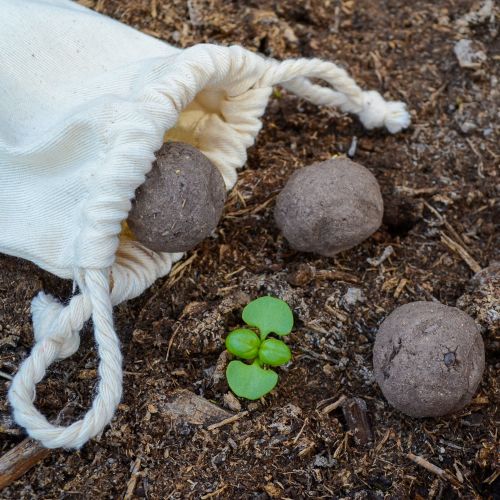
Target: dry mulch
[(439, 180)]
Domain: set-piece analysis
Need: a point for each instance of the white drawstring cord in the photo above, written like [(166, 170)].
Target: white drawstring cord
[(56, 333), (372, 109)]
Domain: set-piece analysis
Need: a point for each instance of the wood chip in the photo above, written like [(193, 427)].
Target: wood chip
[(336, 275), (186, 406), (195, 14), (232, 402), (133, 480), (27, 453), (20, 459), (356, 415), (400, 287), (154, 9)]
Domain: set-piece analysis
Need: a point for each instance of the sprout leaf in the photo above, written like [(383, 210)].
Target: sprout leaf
[(269, 315), (274, 352), (243, 343), (250, 381)]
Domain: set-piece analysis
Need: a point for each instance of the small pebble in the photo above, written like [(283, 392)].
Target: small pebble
[(180, 202), (329, 207), (470, 53), (428, 359), (353, 296)]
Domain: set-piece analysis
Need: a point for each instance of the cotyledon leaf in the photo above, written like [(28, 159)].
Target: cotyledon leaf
[(274, 352), (269, 315), (250, 381), (243, 343)]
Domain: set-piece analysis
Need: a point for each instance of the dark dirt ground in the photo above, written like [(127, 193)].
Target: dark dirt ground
[(439, 177)]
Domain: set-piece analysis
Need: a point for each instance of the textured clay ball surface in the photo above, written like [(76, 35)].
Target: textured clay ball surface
[(329, 207), (181, 201), (482, 301), (428, 359)]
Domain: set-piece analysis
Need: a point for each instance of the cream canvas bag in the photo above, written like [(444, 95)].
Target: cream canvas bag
[(84, 103)]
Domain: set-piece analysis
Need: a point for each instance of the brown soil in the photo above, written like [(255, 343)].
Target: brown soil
[(438, 177)]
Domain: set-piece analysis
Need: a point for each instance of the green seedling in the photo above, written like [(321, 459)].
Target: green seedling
[(267, 315)]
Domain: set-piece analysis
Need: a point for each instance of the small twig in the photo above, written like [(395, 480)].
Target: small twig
[(491, 479), (252, 209), (6, 375), (388, 251), (20, 459), (315, 355), (403, 282), (171, 342), (342, 446), (25, 455), (133, 480), (179, 268), (154, 9), (448, 226), (226, 421), (377, 66), (480, 164), (434, 469), (468, 259), (214, 493), (296, 438), (333, 406), (233, 273), (383, 441), (431, 101), (416, 191)]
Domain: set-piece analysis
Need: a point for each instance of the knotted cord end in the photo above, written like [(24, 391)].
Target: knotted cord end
[(377, 112)]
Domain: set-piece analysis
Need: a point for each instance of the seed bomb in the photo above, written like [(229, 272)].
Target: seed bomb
[(181, 201), (428, 359), (329, 207)]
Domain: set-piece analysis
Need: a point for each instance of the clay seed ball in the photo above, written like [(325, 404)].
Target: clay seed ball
[(181, 201), (329, 207), (428, 359)]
